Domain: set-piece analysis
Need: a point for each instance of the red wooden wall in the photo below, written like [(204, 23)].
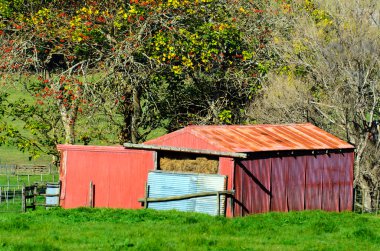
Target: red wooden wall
[(294, 183), (118, 175)]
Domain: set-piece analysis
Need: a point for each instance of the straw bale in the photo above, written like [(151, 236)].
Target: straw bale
[(198, 165)]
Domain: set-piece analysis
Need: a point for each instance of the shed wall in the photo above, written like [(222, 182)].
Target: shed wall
[(226, 167), (294, 183), (119, 177)]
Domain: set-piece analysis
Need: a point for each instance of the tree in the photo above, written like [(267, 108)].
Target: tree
[(190, 62), (333, 48), (52, 47)]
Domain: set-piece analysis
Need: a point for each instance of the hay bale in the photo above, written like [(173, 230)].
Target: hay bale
[(198, 165)]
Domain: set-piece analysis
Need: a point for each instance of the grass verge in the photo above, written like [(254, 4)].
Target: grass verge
[(112, 229)]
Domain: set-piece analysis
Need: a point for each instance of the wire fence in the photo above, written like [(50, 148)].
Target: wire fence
[(10, 198), (11, 174), (14, 178), (15, 198), (363, 206)]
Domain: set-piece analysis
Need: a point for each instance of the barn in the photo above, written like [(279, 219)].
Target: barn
[(261, 168)]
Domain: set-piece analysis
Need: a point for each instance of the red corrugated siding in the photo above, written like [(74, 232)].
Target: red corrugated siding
[(330, 184), (254, 190), (346, 186), (313, 189), (118, 176), (295, 183), (279, 181)]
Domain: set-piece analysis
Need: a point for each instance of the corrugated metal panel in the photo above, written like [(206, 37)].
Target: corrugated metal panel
[(118, 176), (346, 174), (296, 183), (239, 208), (165, 184), (253, 138), (279, 181), (183, 138), (254, 186), (330, 186), (52, 192), (313, 187)]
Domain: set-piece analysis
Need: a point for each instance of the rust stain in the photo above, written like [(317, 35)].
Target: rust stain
[(259, 138)]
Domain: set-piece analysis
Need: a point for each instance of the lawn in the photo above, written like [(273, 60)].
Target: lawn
[(110, 229)]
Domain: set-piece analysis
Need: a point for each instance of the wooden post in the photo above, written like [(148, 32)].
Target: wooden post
[(91, 195), (146, 195), (218, 203), (34, 197), (23, 200), (28, 179)]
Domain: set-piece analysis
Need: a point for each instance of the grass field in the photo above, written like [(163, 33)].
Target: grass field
[(11, 155), (107, 229)]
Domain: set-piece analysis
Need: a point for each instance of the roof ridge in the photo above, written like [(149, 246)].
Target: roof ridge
[(251, 125)]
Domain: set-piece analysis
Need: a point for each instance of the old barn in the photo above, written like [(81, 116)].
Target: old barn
[(267, 168)]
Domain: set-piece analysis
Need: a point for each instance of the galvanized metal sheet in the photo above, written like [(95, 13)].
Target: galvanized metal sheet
[(279, 181), (165, 184), (253, 138), (52, 194)]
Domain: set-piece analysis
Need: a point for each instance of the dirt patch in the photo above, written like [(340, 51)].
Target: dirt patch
[(197, 165)]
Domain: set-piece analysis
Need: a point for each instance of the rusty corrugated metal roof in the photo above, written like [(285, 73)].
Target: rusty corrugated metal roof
[(260, 138)]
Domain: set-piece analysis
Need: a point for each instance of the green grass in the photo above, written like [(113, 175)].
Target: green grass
[(107, 229), (11, 155), (27, 180)]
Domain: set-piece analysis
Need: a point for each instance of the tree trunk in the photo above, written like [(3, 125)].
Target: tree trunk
[(136, 93), (367, 199), (68, 125)]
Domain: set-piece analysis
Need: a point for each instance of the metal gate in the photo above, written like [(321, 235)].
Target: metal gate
[(166, 184)]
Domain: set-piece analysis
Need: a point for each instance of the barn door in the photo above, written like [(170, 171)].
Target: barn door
[(166, 184)]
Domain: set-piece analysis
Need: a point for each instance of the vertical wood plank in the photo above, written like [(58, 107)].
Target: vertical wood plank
[(23, 200), (91, 195)]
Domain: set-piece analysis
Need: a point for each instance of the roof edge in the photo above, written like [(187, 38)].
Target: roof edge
[(185, 150)]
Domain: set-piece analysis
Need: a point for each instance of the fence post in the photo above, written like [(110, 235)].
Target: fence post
[(146, 195), (23, 200), (91, 195), (34, 197), (218, 203)]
